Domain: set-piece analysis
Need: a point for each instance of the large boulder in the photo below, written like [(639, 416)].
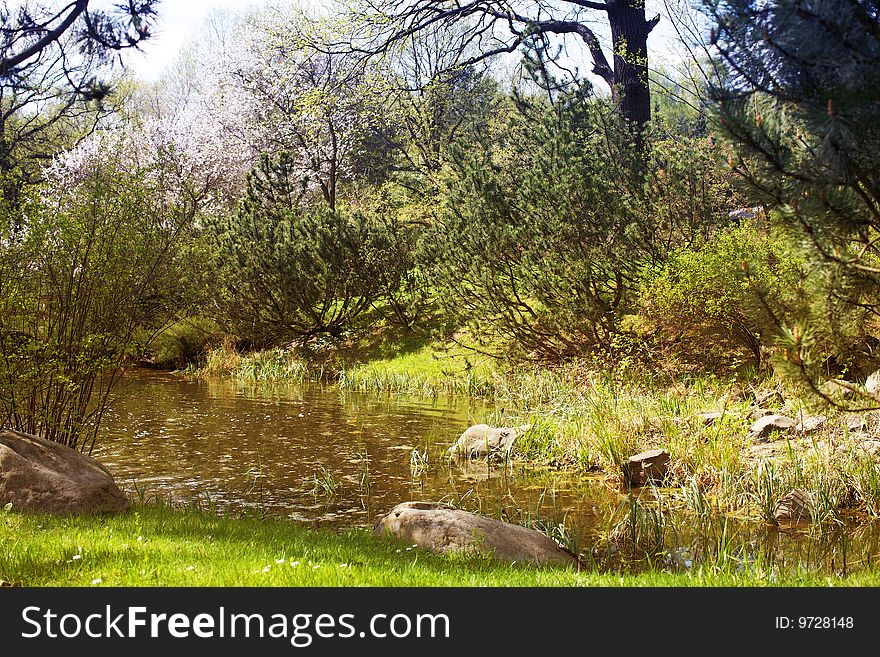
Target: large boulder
[(481, 440), (39, 475), (443, 529)]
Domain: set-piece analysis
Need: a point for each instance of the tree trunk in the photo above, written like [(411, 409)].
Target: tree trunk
[(629, 37)]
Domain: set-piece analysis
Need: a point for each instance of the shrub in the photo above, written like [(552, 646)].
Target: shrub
[(720, 304), (93, 258), (287, 271), (546, 227), (799, 100)]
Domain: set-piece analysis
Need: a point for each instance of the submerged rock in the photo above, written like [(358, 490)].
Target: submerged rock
[(443, 529), (481, 440), (647, 466), (40, 475)]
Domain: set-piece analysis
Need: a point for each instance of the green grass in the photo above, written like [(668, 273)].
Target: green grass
[(270, 365), (432, 370), (157, 545)]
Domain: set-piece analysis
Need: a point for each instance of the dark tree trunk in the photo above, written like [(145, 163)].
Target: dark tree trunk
[(629, 37)]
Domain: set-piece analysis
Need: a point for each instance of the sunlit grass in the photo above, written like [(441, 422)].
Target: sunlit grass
[(158, 545)]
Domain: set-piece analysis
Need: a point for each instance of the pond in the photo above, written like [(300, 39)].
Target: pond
[(316, 455)]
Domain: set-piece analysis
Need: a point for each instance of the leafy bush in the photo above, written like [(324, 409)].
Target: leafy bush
[(94, 257), (799, 101), (720, 304)]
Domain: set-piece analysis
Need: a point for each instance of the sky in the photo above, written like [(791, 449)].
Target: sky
[(177, 20), (180, 18)]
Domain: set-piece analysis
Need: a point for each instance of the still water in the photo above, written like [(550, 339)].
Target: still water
[(315, 455)]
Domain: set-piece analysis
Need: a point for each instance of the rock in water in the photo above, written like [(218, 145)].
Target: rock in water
[(440, 528), (481, 440), (39, 475), (763, 428), (647, 466), (793, 507)]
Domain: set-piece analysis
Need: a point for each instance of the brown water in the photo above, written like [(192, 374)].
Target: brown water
[(318, 456)]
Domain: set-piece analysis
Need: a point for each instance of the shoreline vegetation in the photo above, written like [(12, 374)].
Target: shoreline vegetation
[(593, 421)]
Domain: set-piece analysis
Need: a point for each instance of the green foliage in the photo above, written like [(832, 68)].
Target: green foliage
[(799, 101), (184, 342), (288, 271), (720, 303), (92, 260), (546, 225), (406, 298)]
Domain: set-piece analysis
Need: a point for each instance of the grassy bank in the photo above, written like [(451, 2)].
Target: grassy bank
[(162, 546)]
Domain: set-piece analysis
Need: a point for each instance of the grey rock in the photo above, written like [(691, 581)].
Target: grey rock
[(647, 466), (811, 423), (765, 426), (768, 397), (856, 423), (482, 440), (838, 388), (40, 475), (443, 529), (713, 417), (758, 413)]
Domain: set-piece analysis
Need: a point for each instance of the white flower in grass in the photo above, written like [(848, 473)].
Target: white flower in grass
[(266, 569), (96, 581)]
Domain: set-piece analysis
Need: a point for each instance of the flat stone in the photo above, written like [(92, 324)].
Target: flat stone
[(40, 475), (856, 423), (443, 529), (714, 417), (768, 397), (838, 388), (811, 423), (647, 466), (763, 428)]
